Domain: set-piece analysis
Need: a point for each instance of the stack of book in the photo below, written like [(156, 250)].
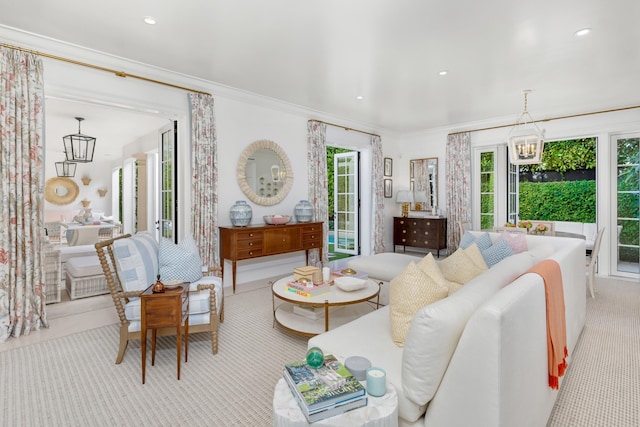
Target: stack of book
[(324, 392), (308, 291)]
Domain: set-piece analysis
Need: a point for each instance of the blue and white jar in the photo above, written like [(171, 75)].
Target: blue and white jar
[(240, 214), (303, 211)]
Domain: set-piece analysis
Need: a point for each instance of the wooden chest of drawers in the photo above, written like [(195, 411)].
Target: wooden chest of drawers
[(254, 241), (428, 233)]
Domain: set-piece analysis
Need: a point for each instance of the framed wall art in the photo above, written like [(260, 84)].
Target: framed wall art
[(388, 188), (388, 166)]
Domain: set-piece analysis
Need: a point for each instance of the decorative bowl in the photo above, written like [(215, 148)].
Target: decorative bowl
[(276, 219), (349, 270), (349, 284)]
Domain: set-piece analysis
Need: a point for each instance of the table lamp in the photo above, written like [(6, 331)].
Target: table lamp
[(405, 197), (419, 197)]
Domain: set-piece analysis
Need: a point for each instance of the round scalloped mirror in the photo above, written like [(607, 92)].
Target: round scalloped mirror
[(264, 173), (60, 191)]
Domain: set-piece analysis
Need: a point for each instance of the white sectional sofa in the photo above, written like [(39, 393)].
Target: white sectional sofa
[(479, 356)]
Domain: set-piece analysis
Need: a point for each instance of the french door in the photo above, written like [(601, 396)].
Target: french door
[(346, 203), (168, 210), (626, 205)]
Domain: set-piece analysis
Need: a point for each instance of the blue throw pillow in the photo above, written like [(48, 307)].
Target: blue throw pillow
[(181, 261), (483, 241), (497, 252)]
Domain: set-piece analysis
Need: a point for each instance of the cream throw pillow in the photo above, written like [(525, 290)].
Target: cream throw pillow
[(410, 291), (463, 265), (429, 265)]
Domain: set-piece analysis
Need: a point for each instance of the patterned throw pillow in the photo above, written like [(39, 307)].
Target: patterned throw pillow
[(136, 261), (497, 252), (517, 241), (410, 291), (181, 261), (463, 265), (483, 241), (430, 267)]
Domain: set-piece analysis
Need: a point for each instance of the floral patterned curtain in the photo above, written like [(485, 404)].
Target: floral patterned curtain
[(22, 236), (458, 161), (377, 193), (317, 178), (205, 177)]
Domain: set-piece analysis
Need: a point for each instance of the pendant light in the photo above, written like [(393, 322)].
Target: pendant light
[(526, 140), (78, 147), (66, 169)]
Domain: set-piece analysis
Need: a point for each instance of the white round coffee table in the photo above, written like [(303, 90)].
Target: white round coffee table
[(379, 412), (337, 307)]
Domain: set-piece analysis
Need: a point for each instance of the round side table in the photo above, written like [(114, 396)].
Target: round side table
[(379, 412)]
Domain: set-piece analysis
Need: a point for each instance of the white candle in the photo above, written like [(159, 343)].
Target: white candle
[(326, 274)]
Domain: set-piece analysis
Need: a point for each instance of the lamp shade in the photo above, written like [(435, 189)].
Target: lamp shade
[(79, 148), (419, 196), (404, 196)]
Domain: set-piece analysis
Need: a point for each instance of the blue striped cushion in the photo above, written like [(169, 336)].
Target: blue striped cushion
[(181, 261), (136, 261)]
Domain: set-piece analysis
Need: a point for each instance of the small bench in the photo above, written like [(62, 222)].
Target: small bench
[(85, 278)]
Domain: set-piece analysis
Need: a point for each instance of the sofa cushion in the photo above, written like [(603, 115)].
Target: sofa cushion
[(463, 265), (497, 252), (411, 290), (429, 265), (436, 328), (136, 261), (181, 261), (483, 240), (517, 241)]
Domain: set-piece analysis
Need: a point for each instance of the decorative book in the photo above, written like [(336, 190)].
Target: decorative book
[(313, 313), (320, 392), (308, 291)]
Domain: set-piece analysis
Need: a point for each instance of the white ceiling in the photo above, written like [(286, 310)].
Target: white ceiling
[(322, 54)]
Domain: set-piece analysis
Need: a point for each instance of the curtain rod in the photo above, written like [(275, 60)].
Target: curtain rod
[(343, 127), (570, 116), (97, 67)]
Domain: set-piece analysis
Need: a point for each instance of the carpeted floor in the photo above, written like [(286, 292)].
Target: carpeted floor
[(73, 381)]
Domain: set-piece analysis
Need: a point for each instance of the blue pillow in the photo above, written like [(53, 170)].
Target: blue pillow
[(181, 261), (136, 261), (497, 252), (483, 241)]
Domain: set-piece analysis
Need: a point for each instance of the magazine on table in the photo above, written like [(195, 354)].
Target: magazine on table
[(321, 388)]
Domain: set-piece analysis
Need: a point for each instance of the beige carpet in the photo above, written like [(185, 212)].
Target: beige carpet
[(73, 381)]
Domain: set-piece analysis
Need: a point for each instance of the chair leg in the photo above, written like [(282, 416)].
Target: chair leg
[(123, 343), (591, 279), (214, 340)]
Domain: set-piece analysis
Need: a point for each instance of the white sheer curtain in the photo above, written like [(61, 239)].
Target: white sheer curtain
[(458, 161), (22, 236), (317, 178), (204, 207), (377, 194)]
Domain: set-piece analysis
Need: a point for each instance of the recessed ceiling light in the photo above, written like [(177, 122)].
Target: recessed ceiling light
[(359, 97), (150, 20), (443, 73), (583, 32)]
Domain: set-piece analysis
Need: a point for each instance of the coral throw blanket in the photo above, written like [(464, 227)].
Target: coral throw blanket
[(557, 352)]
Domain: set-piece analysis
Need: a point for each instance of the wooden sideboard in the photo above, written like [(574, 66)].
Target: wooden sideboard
[(428, 233), (254, 241)]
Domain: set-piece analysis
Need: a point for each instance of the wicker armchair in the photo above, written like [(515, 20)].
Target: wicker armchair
[(123, 301)]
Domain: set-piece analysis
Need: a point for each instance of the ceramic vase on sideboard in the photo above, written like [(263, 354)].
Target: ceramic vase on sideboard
[(303, 211), (240, 214)]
